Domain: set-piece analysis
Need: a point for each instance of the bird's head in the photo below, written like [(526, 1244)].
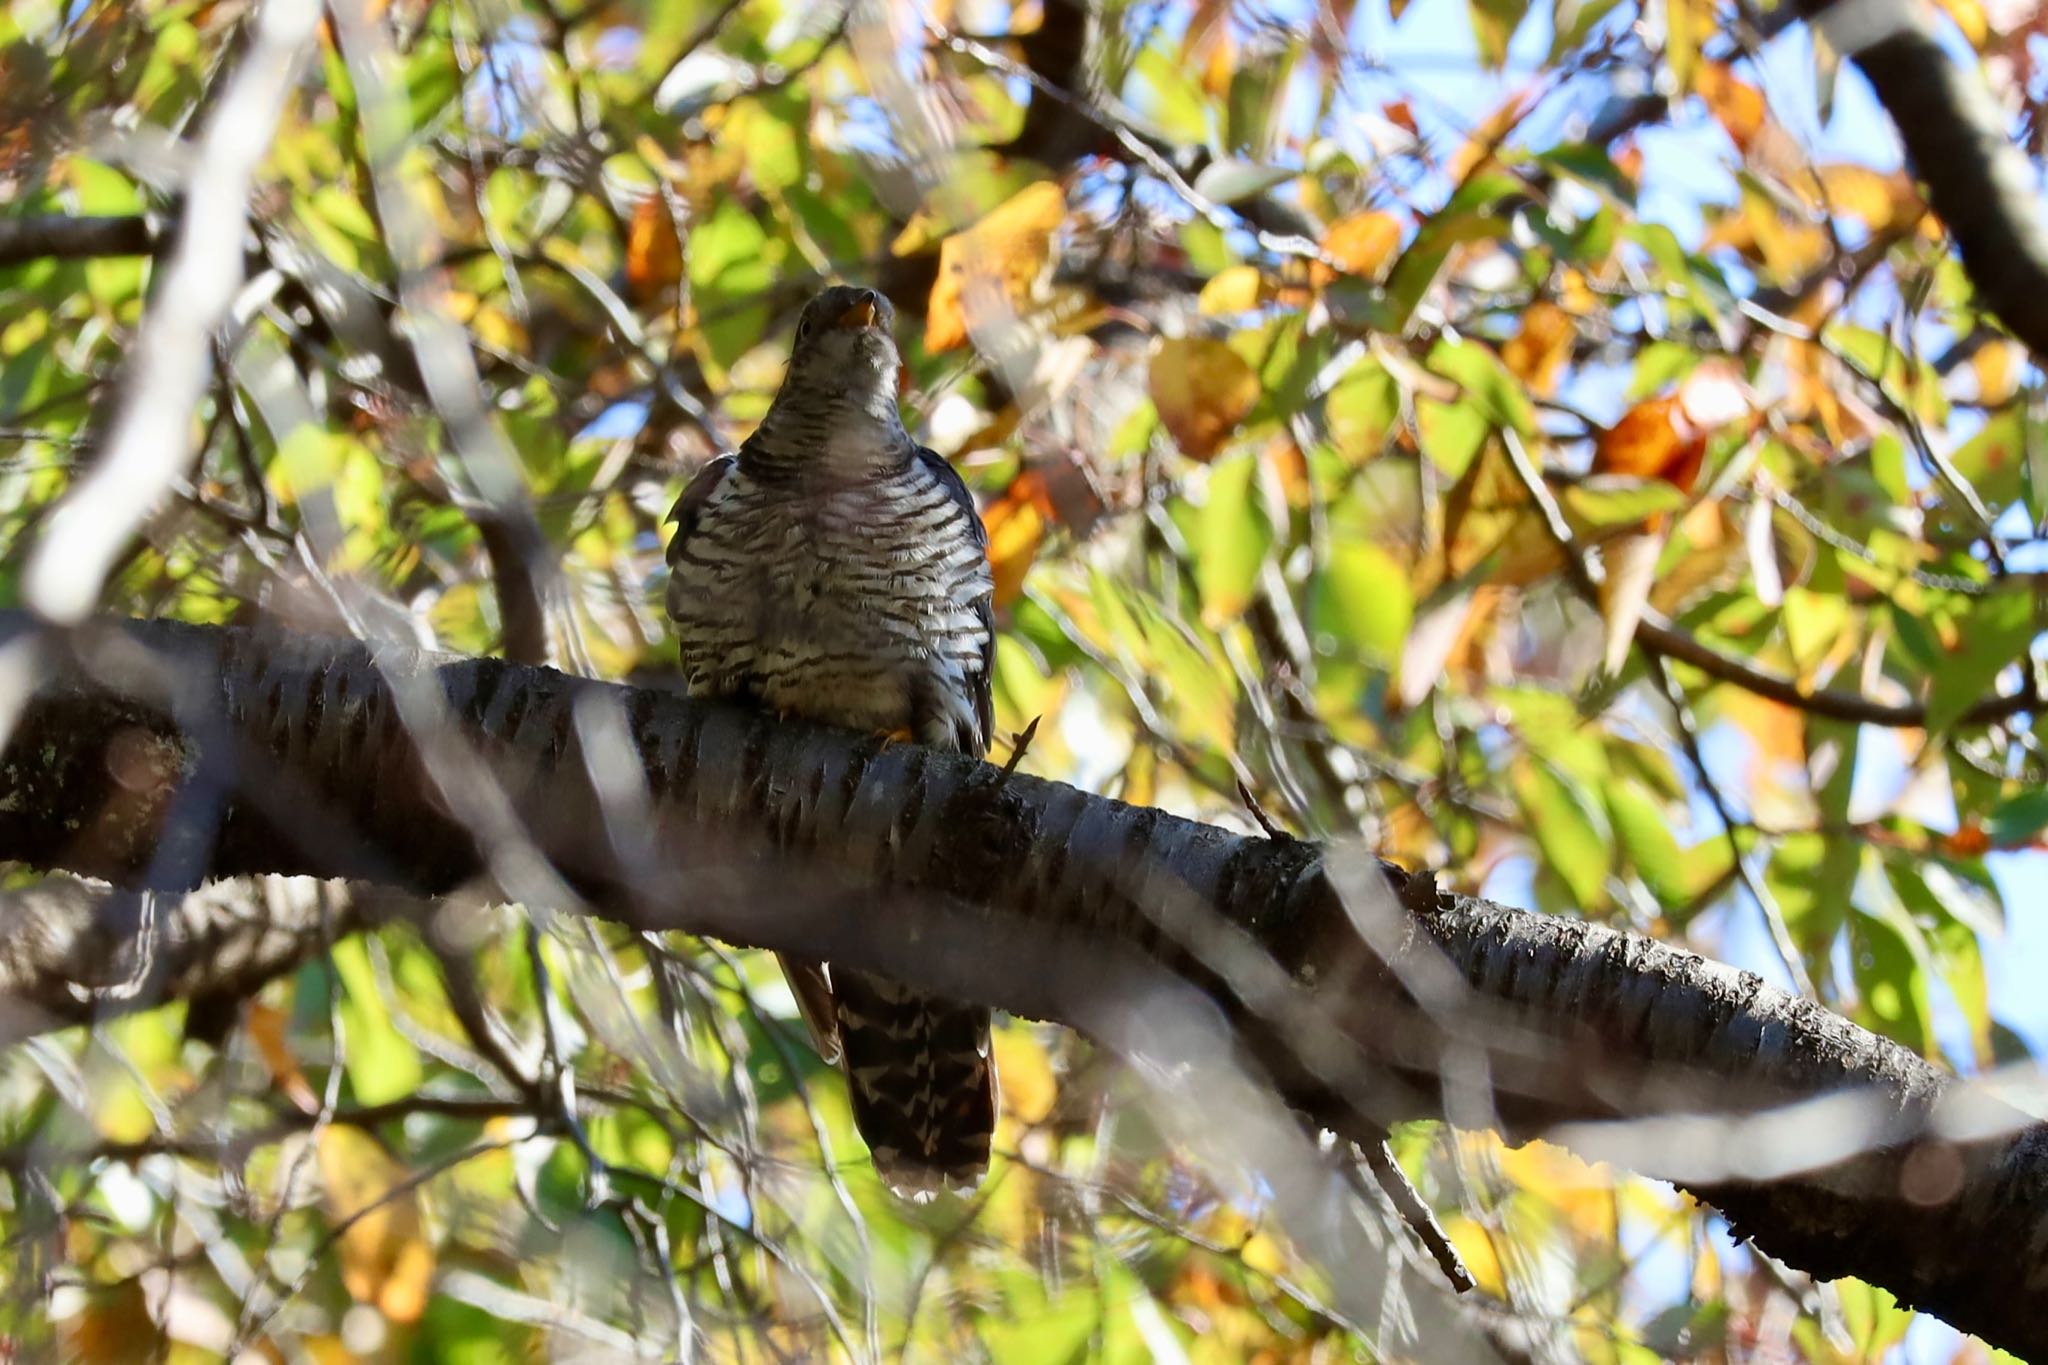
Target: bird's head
[(845, 355)]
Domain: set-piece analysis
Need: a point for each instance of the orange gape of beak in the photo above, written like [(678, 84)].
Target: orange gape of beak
[(862, 314)]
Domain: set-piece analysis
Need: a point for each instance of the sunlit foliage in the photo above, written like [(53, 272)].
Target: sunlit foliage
[(1343, 389)]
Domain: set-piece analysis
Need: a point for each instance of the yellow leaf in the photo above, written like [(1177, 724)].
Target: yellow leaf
[(1996, 371), (1263, 1254), (1234, 289), (1025, 1072), (1362, 244), (1970, 18), (384, 1256), (1877, 199), (1202, 389), (1540, 347), (1475, 1248), (995, 265)]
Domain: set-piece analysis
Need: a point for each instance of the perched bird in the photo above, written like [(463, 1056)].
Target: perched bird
[(836, 570)]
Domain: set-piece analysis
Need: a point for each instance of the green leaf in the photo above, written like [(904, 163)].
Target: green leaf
[(1487, 383), (1233, 537), (1620, 499), (1642, 827), (1363, 598), (1360, 409), (1230, 181), (382, 1065), (1990, 636), (1889, 959), (731, 266), (1493, 27), (1813, 622), (1569, 829), (1995, 459), (1451, 434), (1814, 903), (2018, 819), (1573, 22)]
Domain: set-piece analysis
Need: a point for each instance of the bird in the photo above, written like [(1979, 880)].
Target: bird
[(834, 569)]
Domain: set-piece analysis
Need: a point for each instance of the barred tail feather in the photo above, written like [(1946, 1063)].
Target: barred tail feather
[(922, 1082)]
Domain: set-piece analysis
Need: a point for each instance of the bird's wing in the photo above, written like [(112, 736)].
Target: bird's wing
[(981, 681), (691, 504)]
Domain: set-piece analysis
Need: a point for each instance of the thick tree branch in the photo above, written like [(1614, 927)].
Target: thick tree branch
[(153, 752), (62, 237), (1978, 181)]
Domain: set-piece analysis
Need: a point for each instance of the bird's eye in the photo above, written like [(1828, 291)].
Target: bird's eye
[(803, 327)]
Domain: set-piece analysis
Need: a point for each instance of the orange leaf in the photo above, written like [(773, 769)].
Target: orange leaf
[(1969, 841), (1540, 347), (1401, 116), (994, 266), (266, 1026), (1202, 389), (1362, 244), (384, 1256), (1652, 440), (1736, 104), (1291, 466), (1017, 523), (654, 254), (1666, 438)]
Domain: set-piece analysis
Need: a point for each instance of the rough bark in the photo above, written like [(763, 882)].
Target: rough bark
[(153, 753)]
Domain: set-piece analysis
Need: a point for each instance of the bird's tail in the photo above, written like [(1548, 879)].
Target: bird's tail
[(922, 1081)]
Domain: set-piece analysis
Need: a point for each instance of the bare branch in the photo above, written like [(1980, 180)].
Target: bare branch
[(63, 238)]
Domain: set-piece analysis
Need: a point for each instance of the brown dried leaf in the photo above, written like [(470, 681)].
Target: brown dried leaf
[(1202, 389)]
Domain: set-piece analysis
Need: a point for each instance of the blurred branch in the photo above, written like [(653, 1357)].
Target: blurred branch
[(68, 948), (1979, 182), (150, 443), (1667, 641), (61, 237), (429, 773)]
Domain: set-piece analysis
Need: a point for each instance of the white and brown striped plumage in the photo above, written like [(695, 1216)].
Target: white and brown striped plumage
[(836, 570)]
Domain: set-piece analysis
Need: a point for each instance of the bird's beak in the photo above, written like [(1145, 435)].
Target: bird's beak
[(862, 314)]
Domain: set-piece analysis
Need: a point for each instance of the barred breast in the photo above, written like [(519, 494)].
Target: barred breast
[(864, 605)]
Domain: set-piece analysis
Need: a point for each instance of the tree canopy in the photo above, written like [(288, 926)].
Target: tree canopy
[(1559, 447)]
